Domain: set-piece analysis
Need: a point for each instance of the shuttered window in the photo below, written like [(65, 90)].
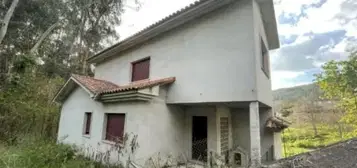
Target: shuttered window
[(115, 127), (88, 120), (140, 69), (264, 58)]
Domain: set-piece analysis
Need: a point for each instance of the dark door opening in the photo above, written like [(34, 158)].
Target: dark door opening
[(199, 138)]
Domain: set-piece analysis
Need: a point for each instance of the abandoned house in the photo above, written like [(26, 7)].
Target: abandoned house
[(195, 83)]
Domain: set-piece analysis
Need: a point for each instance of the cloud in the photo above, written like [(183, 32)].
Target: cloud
[(302, 56), (283, 79), (285, 39), (348, 11), (292, 18)]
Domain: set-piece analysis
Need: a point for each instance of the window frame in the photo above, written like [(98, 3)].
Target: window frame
[(105, 127), (264, 58), (85, 123), (138, 61)]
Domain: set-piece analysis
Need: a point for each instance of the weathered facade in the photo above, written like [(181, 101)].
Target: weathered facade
[(203, 87)]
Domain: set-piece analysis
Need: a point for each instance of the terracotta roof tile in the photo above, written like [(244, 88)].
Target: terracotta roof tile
[(277, 123), (104, 87), (94, 85), (141, 84)]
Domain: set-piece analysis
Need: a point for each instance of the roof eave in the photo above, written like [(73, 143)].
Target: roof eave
[(270, 24), (159, 28), (66, 89)]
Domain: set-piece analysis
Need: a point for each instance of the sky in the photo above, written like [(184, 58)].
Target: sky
[(311, 32)]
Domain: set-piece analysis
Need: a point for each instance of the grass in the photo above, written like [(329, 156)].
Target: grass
[(44, 154), (302, 139)]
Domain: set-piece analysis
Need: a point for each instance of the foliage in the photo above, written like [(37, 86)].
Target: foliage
[(26, 107), (339, 82), (286, 109), (302, 139), (39, 153)]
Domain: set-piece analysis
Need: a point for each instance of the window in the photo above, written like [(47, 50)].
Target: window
[(88, 120), (140, 69), (264, 58), (115, 127)]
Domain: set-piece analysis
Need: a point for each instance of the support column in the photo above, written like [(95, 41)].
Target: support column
[(254, 129)]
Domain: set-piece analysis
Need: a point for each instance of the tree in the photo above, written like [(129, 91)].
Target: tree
[(45, 41), (286, 109), (339, 83), (60, 34), (5, 22)]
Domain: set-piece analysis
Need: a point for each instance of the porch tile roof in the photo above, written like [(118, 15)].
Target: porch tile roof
[(105, 87), (94, 85), (277, 124), (141, 85)]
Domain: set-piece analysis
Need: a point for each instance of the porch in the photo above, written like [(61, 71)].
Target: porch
[(229, 133)]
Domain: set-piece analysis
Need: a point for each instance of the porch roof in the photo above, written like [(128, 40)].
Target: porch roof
[(97, 88), (277, 124)]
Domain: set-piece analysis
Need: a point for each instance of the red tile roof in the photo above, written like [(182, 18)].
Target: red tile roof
[(141, 84), (94, 85), (104, 87)]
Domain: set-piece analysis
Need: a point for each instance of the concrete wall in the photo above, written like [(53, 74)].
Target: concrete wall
[(278, 145), (266, 136), (263, 82), (211, 57), (160, 128), (240, 130)]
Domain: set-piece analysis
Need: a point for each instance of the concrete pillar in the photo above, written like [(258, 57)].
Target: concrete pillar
[(254, 129)]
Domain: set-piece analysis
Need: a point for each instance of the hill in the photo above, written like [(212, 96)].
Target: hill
[(296, 92)]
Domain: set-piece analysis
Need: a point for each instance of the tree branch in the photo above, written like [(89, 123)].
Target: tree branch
[(43, 36), (7, 18)]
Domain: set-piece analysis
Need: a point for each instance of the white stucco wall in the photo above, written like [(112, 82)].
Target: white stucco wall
[(211, 57), (160, 128), (240, 130), (278, 145), (263, 82), (267, 136)]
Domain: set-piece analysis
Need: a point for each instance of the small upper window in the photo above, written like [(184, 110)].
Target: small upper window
[(140, 69), (115, 127), (264, 58), (88, 120)]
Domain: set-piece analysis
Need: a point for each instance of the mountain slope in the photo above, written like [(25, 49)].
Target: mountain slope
[(297, 92)]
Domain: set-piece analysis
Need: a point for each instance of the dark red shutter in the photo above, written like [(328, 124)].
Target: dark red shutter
[(141, 70), (88, 122), (115, 127)]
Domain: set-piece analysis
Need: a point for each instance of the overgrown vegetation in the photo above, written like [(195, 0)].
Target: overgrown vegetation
[(302, 139), (326, 114), (31, 152), (41, 43)]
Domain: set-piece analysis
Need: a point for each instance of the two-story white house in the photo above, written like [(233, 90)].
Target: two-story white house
[(195, 83)]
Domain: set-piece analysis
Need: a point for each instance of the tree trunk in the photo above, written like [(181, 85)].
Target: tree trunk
[(5, 22), (84, 61), (313, 122), (43, 37)]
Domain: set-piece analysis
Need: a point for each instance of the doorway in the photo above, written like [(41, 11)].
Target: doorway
[(199, 138)]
